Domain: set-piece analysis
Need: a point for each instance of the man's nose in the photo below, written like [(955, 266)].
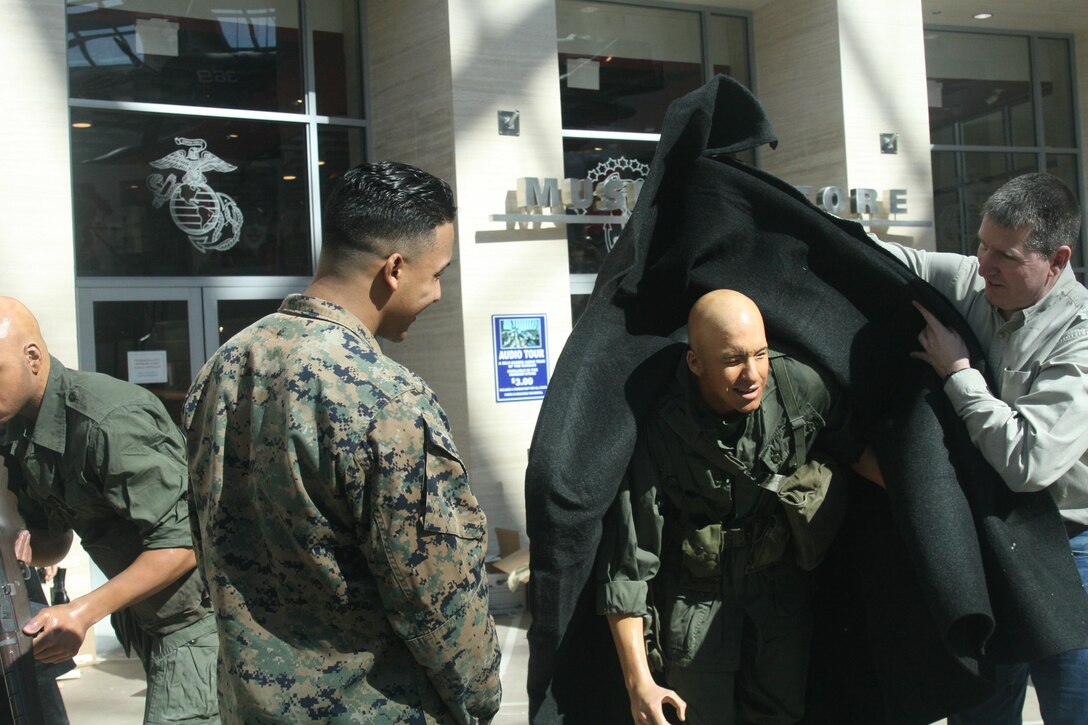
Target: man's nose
[(985, 267)]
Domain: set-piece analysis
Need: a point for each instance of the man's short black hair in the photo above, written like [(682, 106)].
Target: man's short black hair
[(385, 207), (1042, 202)]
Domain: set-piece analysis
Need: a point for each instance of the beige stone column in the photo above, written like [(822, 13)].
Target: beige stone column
[(36, 183), (465, 60), (833, 76)]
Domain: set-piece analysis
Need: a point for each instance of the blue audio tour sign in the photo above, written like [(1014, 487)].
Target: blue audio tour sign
[(521, 357)]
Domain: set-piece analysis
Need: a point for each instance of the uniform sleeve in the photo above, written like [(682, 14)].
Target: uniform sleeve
[(139, 457), (629, 555), (1036, 440), (426, 549)]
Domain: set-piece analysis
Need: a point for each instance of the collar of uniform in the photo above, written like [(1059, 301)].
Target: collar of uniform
[(319, 309), (50, 428)]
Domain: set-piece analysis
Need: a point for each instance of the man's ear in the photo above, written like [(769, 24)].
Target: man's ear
[(1060, 258), (693, 363), (35, 358), (393, 270)]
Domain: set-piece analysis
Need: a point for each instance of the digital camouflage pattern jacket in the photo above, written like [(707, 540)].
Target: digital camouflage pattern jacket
[(334, 522)]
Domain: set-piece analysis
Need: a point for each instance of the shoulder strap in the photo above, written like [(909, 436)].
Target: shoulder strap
[(793, 412)]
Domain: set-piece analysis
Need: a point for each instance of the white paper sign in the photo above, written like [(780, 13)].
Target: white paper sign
[(156, 36), (583, 73), (147, 366)]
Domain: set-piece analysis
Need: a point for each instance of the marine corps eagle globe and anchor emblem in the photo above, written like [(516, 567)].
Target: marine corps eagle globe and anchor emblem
[(205, 215)]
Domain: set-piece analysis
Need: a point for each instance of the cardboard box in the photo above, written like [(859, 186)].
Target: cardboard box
[(507, 572)]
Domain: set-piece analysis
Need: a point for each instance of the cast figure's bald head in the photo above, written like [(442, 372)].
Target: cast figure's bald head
[(723, 312), (24, 361), (728, 354)]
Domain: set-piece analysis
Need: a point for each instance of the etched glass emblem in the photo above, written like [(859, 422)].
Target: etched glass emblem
[(620, 180), (211, 220)]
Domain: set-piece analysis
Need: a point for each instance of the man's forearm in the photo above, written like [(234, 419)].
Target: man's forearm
[(627, 633), (152, 571)]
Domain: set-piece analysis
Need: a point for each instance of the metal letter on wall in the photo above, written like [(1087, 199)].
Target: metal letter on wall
[(198, 210), (863, 201), (831, 199), (532, 192), (897, 201)]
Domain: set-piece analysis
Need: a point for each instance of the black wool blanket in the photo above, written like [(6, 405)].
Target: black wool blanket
[(929, 583)]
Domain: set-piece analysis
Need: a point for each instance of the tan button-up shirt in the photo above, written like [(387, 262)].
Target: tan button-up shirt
[(1034, 431)]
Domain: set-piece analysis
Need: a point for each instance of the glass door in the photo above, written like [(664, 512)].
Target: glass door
[(228, 310), (159, 337), (146, 336)]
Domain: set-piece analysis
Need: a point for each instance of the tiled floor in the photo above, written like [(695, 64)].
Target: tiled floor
[(111, 692)]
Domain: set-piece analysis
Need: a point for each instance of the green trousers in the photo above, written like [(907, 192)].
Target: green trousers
[(741, 656), (181, 674)]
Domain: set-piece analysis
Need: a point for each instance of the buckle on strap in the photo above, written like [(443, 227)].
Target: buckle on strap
[(734, 538), (773, 482)]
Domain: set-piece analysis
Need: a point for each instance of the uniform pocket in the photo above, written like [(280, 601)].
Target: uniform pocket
[(448, 504), (695, 634), (1015, 383)]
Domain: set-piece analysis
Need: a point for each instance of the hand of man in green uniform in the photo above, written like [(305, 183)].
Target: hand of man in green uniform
[(59, 631), (647, 697)]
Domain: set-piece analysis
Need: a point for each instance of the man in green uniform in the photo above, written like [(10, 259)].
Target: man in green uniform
[(695, 538), (333, 517), (101, 457)]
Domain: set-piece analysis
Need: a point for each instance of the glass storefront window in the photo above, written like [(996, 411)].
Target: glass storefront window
[(243, 54), (338, 71), (979, 89), (621, 65), (171, 195), (1064, 166), (1057, 91), (982, 92), (596, 161), (339, 149), (729, 47), (962, 181)]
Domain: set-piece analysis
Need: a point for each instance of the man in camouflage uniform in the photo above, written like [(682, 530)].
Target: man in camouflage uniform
[(694, 537), (101, 457), (332, 514)]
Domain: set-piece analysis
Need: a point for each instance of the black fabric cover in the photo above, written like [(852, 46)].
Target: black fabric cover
[(928, 584)]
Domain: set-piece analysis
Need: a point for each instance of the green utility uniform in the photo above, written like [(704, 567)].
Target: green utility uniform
[(104, 459), (708, 553)]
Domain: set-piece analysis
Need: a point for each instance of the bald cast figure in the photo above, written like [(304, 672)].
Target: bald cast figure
[(696, 545), (100, 457)]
